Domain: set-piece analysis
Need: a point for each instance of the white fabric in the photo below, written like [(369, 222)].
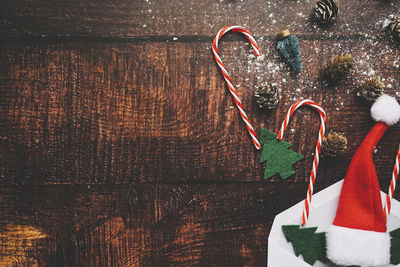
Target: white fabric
[(386, 109), (346, 246)]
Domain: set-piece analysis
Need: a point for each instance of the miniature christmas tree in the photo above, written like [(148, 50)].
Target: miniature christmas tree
[(288, 46), (277, 155), (306, 242)]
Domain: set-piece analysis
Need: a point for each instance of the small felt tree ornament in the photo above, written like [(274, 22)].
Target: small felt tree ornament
[(277, 155), (359, 235), (306, 242)]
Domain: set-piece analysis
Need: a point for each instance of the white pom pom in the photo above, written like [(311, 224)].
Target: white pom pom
[(386, 109)]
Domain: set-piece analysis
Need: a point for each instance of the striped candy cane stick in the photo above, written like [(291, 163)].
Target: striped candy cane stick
[(313, 175), (392, 186), (228, 79)]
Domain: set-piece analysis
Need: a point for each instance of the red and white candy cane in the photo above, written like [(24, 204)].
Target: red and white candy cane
[(313, 175), (228, 80), (392, 186)]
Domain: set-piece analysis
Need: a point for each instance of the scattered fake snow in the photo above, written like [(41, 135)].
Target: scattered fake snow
[(374, 53)]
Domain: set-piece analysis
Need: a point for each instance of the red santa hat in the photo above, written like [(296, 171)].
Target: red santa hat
[(358, 235)]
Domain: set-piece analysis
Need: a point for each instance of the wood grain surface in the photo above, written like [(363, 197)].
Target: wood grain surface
[(121, 146), (126, 18), (146, 225)]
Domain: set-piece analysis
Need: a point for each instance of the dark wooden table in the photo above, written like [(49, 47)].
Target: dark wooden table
[(121, 146)]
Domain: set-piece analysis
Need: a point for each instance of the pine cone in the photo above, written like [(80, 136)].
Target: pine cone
[(326, 11), (339, 66), (334, 144), (394, 27), (267, 96), (371, 89)]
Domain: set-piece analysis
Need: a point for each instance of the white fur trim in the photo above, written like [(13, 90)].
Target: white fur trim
[(386, 109), (346, 246)]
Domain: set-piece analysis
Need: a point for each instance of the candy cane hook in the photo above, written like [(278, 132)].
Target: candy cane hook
[(395, 176), (313, 175), (228, 80)]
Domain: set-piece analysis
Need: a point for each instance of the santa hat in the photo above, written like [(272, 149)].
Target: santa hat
[(358, 235)]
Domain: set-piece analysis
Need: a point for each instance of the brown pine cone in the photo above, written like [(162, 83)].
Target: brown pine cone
[(267, 96), (371, 89), (340, 66), (326, 11), (334, 144), (394, 27)]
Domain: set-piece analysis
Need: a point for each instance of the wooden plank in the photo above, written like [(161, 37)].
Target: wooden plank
[(160, 112), (142, 225), (125, 18)]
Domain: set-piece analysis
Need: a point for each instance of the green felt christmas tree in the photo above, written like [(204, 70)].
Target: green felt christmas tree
[(306, 242), (277, 155), (395, 246)]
